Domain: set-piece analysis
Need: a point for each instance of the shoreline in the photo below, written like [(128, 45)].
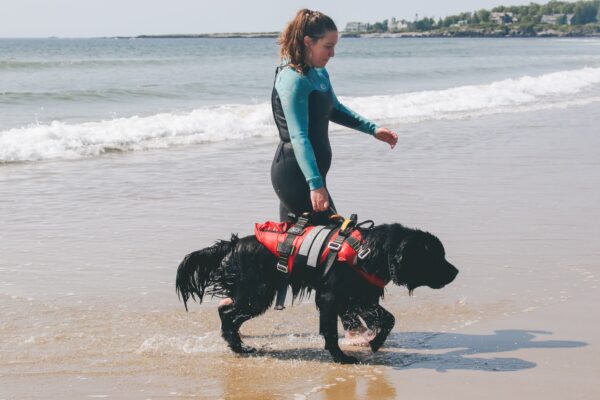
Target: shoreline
[(383, 35), (475, 34), (547, 33)]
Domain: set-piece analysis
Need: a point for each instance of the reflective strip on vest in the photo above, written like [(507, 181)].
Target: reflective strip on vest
[(308, 240), (315, 248)]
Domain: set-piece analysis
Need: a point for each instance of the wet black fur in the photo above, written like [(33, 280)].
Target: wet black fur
[(244, 270)]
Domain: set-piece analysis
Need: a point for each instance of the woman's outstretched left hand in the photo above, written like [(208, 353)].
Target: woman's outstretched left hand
[(385, 135)]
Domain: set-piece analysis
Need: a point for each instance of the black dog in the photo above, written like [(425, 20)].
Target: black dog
[(244, 270)]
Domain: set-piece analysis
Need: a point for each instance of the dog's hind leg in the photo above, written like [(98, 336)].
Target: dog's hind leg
[(232, 318), (245, 305), (380, 320)]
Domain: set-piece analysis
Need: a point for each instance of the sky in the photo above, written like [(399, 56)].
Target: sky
[(96, 18)]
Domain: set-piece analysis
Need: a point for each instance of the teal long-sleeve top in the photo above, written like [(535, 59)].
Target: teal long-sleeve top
[(294, 90)]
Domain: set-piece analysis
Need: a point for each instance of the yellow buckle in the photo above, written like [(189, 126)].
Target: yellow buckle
[(345, 224)]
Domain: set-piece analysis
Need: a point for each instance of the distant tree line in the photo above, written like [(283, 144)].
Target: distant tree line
[(583, 12)]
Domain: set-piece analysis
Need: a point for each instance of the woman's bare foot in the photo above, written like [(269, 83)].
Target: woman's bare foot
[(358, 337), (225, 302)]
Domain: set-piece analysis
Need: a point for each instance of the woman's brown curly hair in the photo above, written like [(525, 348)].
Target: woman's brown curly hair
[(313, 24)]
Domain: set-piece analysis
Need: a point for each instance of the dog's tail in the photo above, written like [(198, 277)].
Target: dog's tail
[(199, 269)]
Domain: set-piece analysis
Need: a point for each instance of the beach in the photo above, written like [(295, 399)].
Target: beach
[(500, 160)]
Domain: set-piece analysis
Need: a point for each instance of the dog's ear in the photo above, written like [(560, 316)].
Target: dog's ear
[(406, 261), (399, 261)]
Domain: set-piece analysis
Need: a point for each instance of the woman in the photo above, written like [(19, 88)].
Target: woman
[(303, 103)]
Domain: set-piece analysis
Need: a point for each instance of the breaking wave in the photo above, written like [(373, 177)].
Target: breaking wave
[(60, 140)]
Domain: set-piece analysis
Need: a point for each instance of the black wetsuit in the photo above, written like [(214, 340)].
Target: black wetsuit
[(303, 105)]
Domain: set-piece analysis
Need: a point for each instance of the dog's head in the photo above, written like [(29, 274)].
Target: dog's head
[(420, 260)]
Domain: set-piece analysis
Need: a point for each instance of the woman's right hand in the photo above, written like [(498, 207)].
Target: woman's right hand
[(319, 199), (385, 135)]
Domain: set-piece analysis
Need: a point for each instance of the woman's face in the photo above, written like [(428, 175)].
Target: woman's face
[(320, 51)]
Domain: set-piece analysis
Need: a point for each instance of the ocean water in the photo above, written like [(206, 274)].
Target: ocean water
[(118, 157), (65, 99)]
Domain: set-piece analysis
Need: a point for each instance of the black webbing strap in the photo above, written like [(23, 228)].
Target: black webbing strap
[(353, 242), (336, 244), (361, 249), (286, 248)]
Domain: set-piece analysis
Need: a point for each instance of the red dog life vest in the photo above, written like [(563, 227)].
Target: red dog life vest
[(270, 234)]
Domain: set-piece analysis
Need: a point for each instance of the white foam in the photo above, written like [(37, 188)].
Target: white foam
[(506, 95), (162, 344), (59, 140)]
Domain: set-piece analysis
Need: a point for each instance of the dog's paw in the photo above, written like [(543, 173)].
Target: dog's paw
[(245, 349), (378, 341), (375, 345), (344, 359)]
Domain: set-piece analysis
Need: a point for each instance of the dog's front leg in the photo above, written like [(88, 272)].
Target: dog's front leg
[(381, 320), (328, 328)]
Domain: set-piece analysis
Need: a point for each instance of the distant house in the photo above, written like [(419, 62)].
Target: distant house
[(395, 25), (458, 24), (356, 27), (570, 18), (502, 17), (557, 18)]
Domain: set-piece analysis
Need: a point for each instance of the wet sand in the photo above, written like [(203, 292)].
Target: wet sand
[(538, 353), (89, 251)]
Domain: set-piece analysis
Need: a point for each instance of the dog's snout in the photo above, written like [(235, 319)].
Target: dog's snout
[(453, 271)]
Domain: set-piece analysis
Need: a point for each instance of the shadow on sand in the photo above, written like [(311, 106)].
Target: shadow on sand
[(442, 351)]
